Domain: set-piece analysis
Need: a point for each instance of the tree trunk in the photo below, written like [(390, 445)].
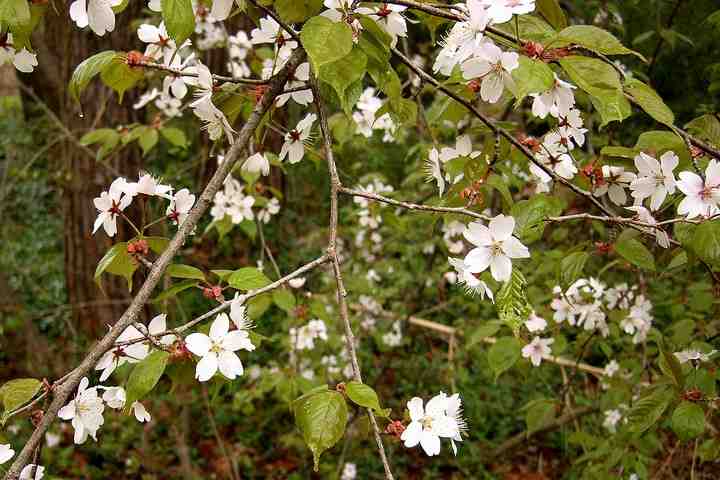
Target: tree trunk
[(61, 46)]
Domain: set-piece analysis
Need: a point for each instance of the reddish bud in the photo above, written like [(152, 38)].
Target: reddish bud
[(533, 49), (340, 387), (696, 152), (36, 417), (179, 352), (213, 293), (603, 248), (138, 247), (258, 92), (474, 85), (395, 428), (135, 58), (692, 395)]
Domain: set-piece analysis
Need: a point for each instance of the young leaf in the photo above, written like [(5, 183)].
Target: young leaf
[(530, 216), (648, 410), (297, 11), (175, 136), (15, 14), (119, 76), (145, 376), (179, 19), (185, 271), (341, 74), (363, 395), (633, 250), (87, 70), (503, 354), (705, 242), (321, 417), (571, 268), (174, 290), (18, 392), (248, 278), (148, 140), (284, 299), (538, 414), (551, 11), (594, 39), (688, 420), (650, 101), (602, 83), (326, 41), (531, 76), (117, 261)]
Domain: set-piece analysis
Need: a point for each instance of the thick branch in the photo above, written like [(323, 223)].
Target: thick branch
[(335, 187), (64, 391)]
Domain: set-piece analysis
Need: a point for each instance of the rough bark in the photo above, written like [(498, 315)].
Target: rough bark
[(61, 46)]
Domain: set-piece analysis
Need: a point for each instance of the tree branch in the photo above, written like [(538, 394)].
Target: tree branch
[(65, 390), (335, 187)]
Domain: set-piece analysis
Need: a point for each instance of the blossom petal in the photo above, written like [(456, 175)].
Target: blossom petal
[(219, 327), (415, 406), (430, 443), (230, 365), (198, 343), (206, 367)]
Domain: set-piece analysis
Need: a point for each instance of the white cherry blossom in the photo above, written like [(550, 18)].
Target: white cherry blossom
[(702, 196), (114, 397), (27, 472), (615, 181), (535, 323), (654, 179), (98, 14), (140, 412), (110, 205), (536, 349), (472, 284), (221, 9), (390, 18), (493, 67), (217, 350), (298, 79), (429, 424), (121, 354), (294, 146), (465, 38), (24, 61), (644, 215), (257, 163), (557, 101), (501, 11), (495, 247), (180, 205), (433, 171), (6, 452), (85, 411)]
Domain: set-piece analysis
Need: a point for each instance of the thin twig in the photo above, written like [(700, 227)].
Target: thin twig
[(335, 187)]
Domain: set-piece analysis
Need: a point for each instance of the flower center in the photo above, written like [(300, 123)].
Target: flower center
[(427, 422), (496, 249)]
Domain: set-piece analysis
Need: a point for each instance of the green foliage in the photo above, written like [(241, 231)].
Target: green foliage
[(16, 393), (179, 19), (688, 420), (87, 70), (648, 410), (602, 83), (538, 414), (177, 270), (296, 11), (650, 101), (552, 12), (631, 249), (321, 417), (326, 41), (503, 354), (594, 39), (571, 268), (511, 301), (174, 290), (531, 76), (145, 376), (530, 216), (364, 396), (248, 278), (117, 261), (284, 299)]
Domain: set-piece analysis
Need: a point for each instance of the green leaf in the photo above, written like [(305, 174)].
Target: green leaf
[(503, 354), (326, 41), (297, 11), (363, 395), (707, 127), (531, 76), (175, 136), (119, 76), (594, 39), (375, 42), (87, 70), (661, 141), (16, 393), (117, 261), (256, 306), (175, 289), (648, 410), (498, 183), (511, 301), (101, 135), (705, 242), (179, 19), (157, 244), (341, 74), (650, 101), (15, 14), (284, 299), (530, 216), (248, 278), (688, 420), (633, 250), (602, 83), (148, 140), (145, 376), (551, 11), (185, 271), (620, 152), (321, 418), (571, 268), (670, 366), (538, 414)]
